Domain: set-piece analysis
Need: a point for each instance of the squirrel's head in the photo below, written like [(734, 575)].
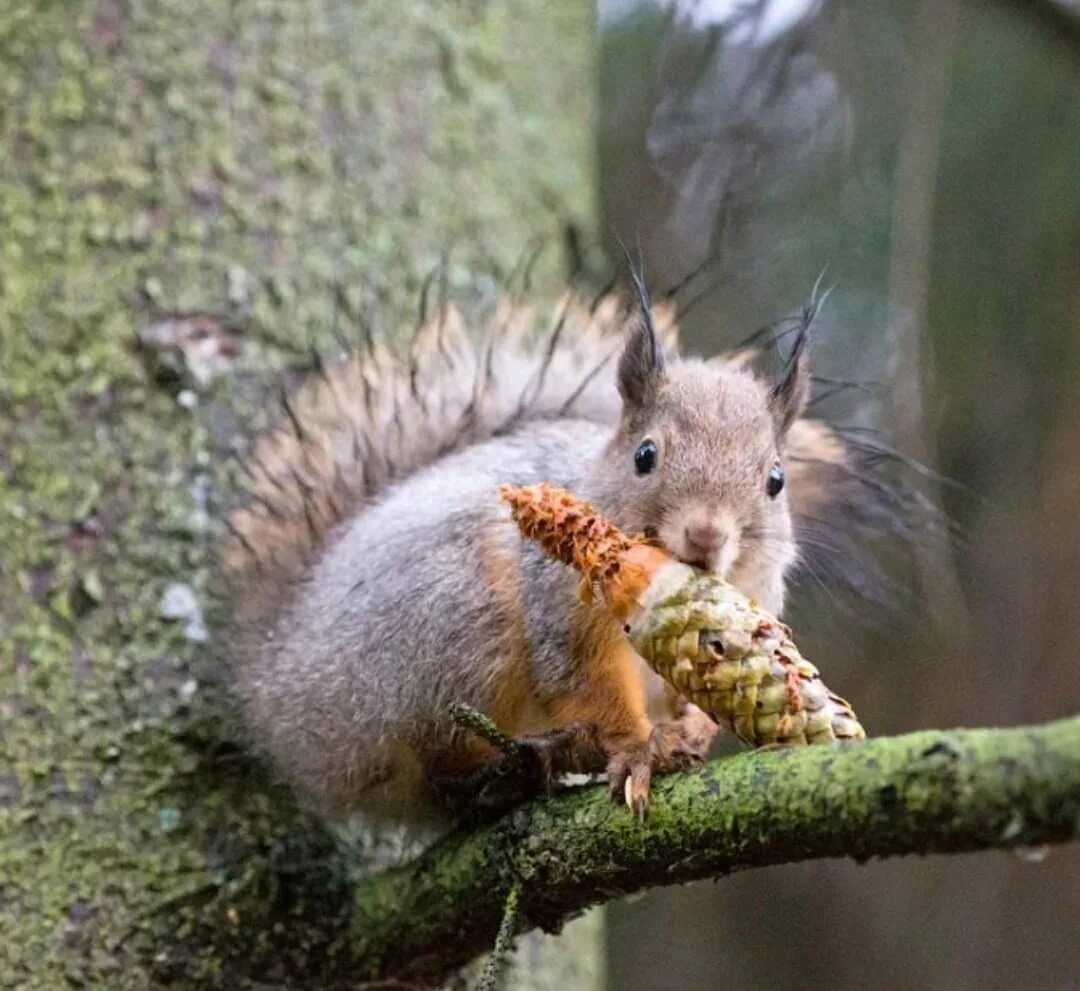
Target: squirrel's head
[(698, 459)]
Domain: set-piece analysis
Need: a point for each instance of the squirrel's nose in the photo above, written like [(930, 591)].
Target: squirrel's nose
[(706, 537)]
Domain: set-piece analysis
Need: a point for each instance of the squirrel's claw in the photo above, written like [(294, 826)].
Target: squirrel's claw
[(672, 746), (629, 775)]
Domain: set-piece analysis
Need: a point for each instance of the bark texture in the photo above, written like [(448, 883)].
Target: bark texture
[(227, 165)]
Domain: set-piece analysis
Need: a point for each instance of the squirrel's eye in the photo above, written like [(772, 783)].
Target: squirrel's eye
[(645, 457), (775, 481)]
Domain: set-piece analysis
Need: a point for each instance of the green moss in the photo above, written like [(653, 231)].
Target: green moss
[(234, 160)]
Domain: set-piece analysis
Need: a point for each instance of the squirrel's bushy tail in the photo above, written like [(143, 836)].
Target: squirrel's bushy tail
[(360, 425)]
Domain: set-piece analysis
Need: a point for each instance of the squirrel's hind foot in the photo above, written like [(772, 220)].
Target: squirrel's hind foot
[(576, 749), (532, 768)]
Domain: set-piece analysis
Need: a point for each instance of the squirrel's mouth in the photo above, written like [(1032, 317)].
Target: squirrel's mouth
[(702, 563), (715, 562), (706, 562), (678, 550)]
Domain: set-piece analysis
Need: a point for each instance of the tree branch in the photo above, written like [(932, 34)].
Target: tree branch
[(928, 792)]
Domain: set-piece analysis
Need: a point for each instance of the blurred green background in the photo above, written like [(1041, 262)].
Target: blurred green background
[(923, 159)]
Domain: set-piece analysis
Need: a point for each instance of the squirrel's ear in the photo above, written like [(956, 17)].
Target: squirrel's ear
[(789, 396), (641, 365)]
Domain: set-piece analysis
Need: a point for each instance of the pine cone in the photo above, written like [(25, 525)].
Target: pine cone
[(698, 632)]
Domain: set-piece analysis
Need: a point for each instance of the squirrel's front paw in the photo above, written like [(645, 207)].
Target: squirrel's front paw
[(672, 746)]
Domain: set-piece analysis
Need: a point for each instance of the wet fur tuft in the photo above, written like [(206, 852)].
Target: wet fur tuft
[(848, 488)]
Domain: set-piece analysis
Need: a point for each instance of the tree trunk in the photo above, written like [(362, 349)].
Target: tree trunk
[(187, 186)]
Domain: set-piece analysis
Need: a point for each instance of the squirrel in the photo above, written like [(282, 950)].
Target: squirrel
[(377, 578)]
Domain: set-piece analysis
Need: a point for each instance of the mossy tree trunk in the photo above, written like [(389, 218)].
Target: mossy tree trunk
[(226, 164)]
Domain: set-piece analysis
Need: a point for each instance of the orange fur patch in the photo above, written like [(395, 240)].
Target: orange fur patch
[(612, 696), (511, 688)]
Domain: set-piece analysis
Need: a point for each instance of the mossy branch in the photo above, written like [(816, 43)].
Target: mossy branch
[(929, 792)]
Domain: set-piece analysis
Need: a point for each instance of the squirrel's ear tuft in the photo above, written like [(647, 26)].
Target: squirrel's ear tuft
[(641, 365), (789, 396)]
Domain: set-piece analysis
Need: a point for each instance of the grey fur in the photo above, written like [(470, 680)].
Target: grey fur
[(396, 620)]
